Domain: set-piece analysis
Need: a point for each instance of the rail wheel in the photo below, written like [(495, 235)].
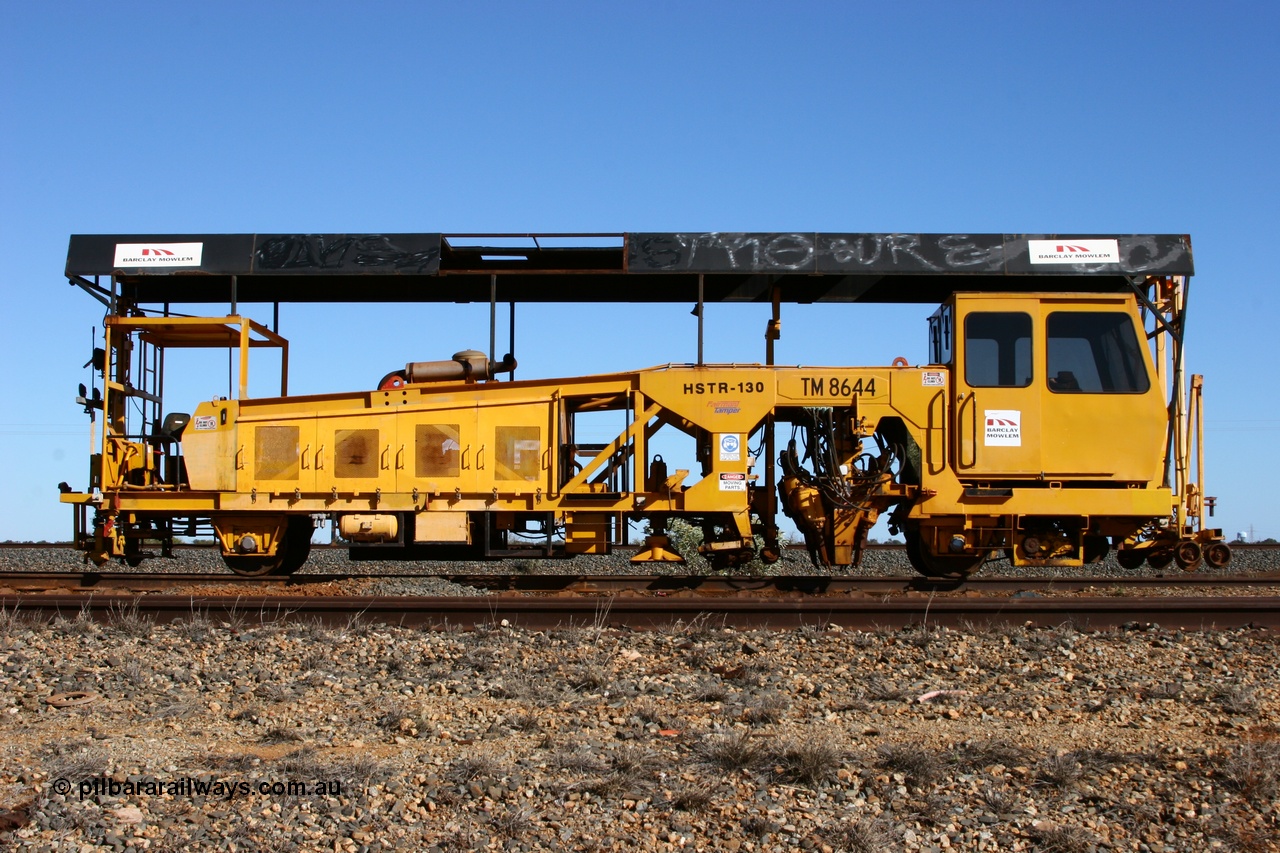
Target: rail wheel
[(1188, 555), (1129, 558), (288, 558), (1160, 559), (934, 566), (1218, 554), (298, 543), (1096, 548), (722, 561), (252, 567)]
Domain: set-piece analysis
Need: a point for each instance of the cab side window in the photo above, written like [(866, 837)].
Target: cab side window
[(1094, 352), (997, 346)]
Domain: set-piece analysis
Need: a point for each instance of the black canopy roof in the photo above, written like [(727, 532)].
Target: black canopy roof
[(630, 267)]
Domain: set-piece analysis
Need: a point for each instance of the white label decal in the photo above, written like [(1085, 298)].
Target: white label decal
[(204, 422), (933, 379), (1074, 251), (1004, 428), (159, 254), (730, 447), (733, 482)]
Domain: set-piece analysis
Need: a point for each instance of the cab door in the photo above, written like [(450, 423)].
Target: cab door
[(997, 405), (1104, 415)]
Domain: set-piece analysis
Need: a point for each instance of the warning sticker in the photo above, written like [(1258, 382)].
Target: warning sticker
[(730, 447), (733, 482), (1004, 428), (933, 379), (205, 422)]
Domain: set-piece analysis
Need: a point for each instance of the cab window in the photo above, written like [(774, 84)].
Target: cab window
[(997, 349), (1094, 352)]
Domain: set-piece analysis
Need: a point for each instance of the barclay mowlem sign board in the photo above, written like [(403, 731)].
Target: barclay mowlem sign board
[(158, 254), (1073, 251)]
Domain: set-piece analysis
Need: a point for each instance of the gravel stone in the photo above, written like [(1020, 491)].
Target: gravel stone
[(584, 739), (334, 560)]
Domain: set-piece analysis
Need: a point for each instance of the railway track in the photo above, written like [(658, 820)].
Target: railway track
[(543, 602), (710, 585), (641, 613), (1175, 600)]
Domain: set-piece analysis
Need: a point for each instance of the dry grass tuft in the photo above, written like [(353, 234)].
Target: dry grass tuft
[(511, 822), (861, 835), (710, 691), (472, 768), (690, 798), (975, 755), (730, 751), (280, 734), (76, 763), (769, 708), (1062, 839), (1237, 699), (1059, 771), (921, 766), (1254, 770), (579, 760), (809, 759), (126, 620)]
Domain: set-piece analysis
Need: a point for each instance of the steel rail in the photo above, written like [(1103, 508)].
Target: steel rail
[(660, 584), (798, 547), (648, 612)]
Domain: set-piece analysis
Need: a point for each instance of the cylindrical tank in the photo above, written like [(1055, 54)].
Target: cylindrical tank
[(469, 364), (368, 527)]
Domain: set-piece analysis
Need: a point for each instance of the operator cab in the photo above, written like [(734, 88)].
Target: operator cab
[(1022, 364)]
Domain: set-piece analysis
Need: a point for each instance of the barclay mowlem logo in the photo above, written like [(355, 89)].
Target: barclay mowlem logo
[(159, 254), (1074, 252), (1004, 428)]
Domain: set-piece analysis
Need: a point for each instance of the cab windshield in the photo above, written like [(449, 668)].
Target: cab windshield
[(1094, 352)]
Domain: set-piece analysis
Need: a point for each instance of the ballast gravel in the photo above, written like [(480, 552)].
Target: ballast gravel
[(876, 562), (287, 736)]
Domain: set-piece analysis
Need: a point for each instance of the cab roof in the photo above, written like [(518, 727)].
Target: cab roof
[(623, 267)]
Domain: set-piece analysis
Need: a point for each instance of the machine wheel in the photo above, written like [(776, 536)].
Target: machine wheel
[(1218, 554), (1129, 558), (723, 561), (1160, 559), (252, 567), (934, 566), (289, 557), (1096, 549), (297, 544), (1188, 555)]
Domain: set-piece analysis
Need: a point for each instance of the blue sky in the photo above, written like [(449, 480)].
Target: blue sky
[(1140, 117)]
